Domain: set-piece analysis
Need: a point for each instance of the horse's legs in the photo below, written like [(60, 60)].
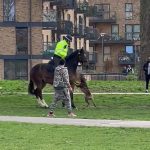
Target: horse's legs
[(38, 94), (38, 97), (72, 102)]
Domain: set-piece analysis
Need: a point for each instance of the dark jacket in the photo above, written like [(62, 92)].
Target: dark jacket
[(145, 67)]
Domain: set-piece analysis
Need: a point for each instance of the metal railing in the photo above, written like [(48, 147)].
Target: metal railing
[(105, 76), (48, 48), (92, 57), (108, 38), (49, 15), (65, 27), (79, 30), (66, 4), (126, 59), (91, 33), (101, 16)]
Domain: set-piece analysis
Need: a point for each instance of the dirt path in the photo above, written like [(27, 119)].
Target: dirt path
[(78, 122)]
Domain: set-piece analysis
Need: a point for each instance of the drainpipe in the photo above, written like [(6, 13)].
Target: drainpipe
[(30, 34)]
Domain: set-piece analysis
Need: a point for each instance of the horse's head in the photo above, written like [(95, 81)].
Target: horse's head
[(82, 58)]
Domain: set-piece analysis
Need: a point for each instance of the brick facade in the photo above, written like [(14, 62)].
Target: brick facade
[(8, 34), (8, 41), (116, 49), (25, 8)]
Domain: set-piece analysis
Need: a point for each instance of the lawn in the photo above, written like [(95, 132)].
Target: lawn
[(24, 136), (95, 86), (133, 107)]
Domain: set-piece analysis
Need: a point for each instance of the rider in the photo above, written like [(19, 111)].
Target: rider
[(61, 49)]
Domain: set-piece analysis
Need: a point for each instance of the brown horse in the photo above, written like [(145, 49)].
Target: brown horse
[(41, 74)]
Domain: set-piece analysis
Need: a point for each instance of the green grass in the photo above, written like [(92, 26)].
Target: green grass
[(133, 107), (95, 86), (117, 86), (24, 136)]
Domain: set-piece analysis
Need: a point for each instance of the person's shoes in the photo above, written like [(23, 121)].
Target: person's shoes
[(50, 114), (71, 115), (146, 91)]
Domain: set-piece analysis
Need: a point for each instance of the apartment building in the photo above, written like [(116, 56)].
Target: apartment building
[(118, 22), (29, 29)]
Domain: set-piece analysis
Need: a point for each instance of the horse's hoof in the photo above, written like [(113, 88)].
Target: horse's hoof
[(73, 107), (76, 108), (46, 107)]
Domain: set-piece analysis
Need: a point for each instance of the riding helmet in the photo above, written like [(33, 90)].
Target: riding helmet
[(69, 38)]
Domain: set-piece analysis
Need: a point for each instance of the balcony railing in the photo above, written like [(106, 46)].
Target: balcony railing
[(82, 7), (126, 59), (65, 4), (92, 57), (49, 15), (91, 33), (110, 40), (96, 16), (65, 27), (48, 48), (22, 48), (79, 31)]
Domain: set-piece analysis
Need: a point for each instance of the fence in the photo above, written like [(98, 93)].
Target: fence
[(105, 76)]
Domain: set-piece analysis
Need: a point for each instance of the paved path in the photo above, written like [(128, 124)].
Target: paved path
[(78, 93), (78, 122)]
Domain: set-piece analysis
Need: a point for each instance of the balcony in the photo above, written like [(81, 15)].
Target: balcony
[(96, 16), (91, 33), (92, 57), (79, 31), (82, 7), (48, 49), (64, 4), (109, 39), (65, 27), (22, 48), (126, 59), (49, 15)]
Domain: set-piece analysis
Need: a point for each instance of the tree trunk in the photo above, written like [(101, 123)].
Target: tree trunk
[(145, 32)]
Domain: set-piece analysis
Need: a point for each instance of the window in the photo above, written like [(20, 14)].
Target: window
[(115, 31), (132, 32), (128, 11), (15, 69), (68, 17), (107, 55), (136, 32), (21, 40), (9, 10), (129, 49), (80, 26), (103, 10)]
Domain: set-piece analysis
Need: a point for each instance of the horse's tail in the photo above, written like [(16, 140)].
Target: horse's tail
[(31, 87)]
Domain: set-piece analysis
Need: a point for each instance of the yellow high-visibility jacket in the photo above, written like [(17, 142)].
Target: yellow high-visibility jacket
[(61, 49)]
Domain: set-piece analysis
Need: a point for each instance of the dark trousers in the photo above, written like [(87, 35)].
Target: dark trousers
[(56, 60), (147, 78)]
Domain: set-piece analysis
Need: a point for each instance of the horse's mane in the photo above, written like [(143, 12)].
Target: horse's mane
[(72, 55)]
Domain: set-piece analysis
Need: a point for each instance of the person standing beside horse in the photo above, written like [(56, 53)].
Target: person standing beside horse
[(62, 89), (61, 49), (146, 69)]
